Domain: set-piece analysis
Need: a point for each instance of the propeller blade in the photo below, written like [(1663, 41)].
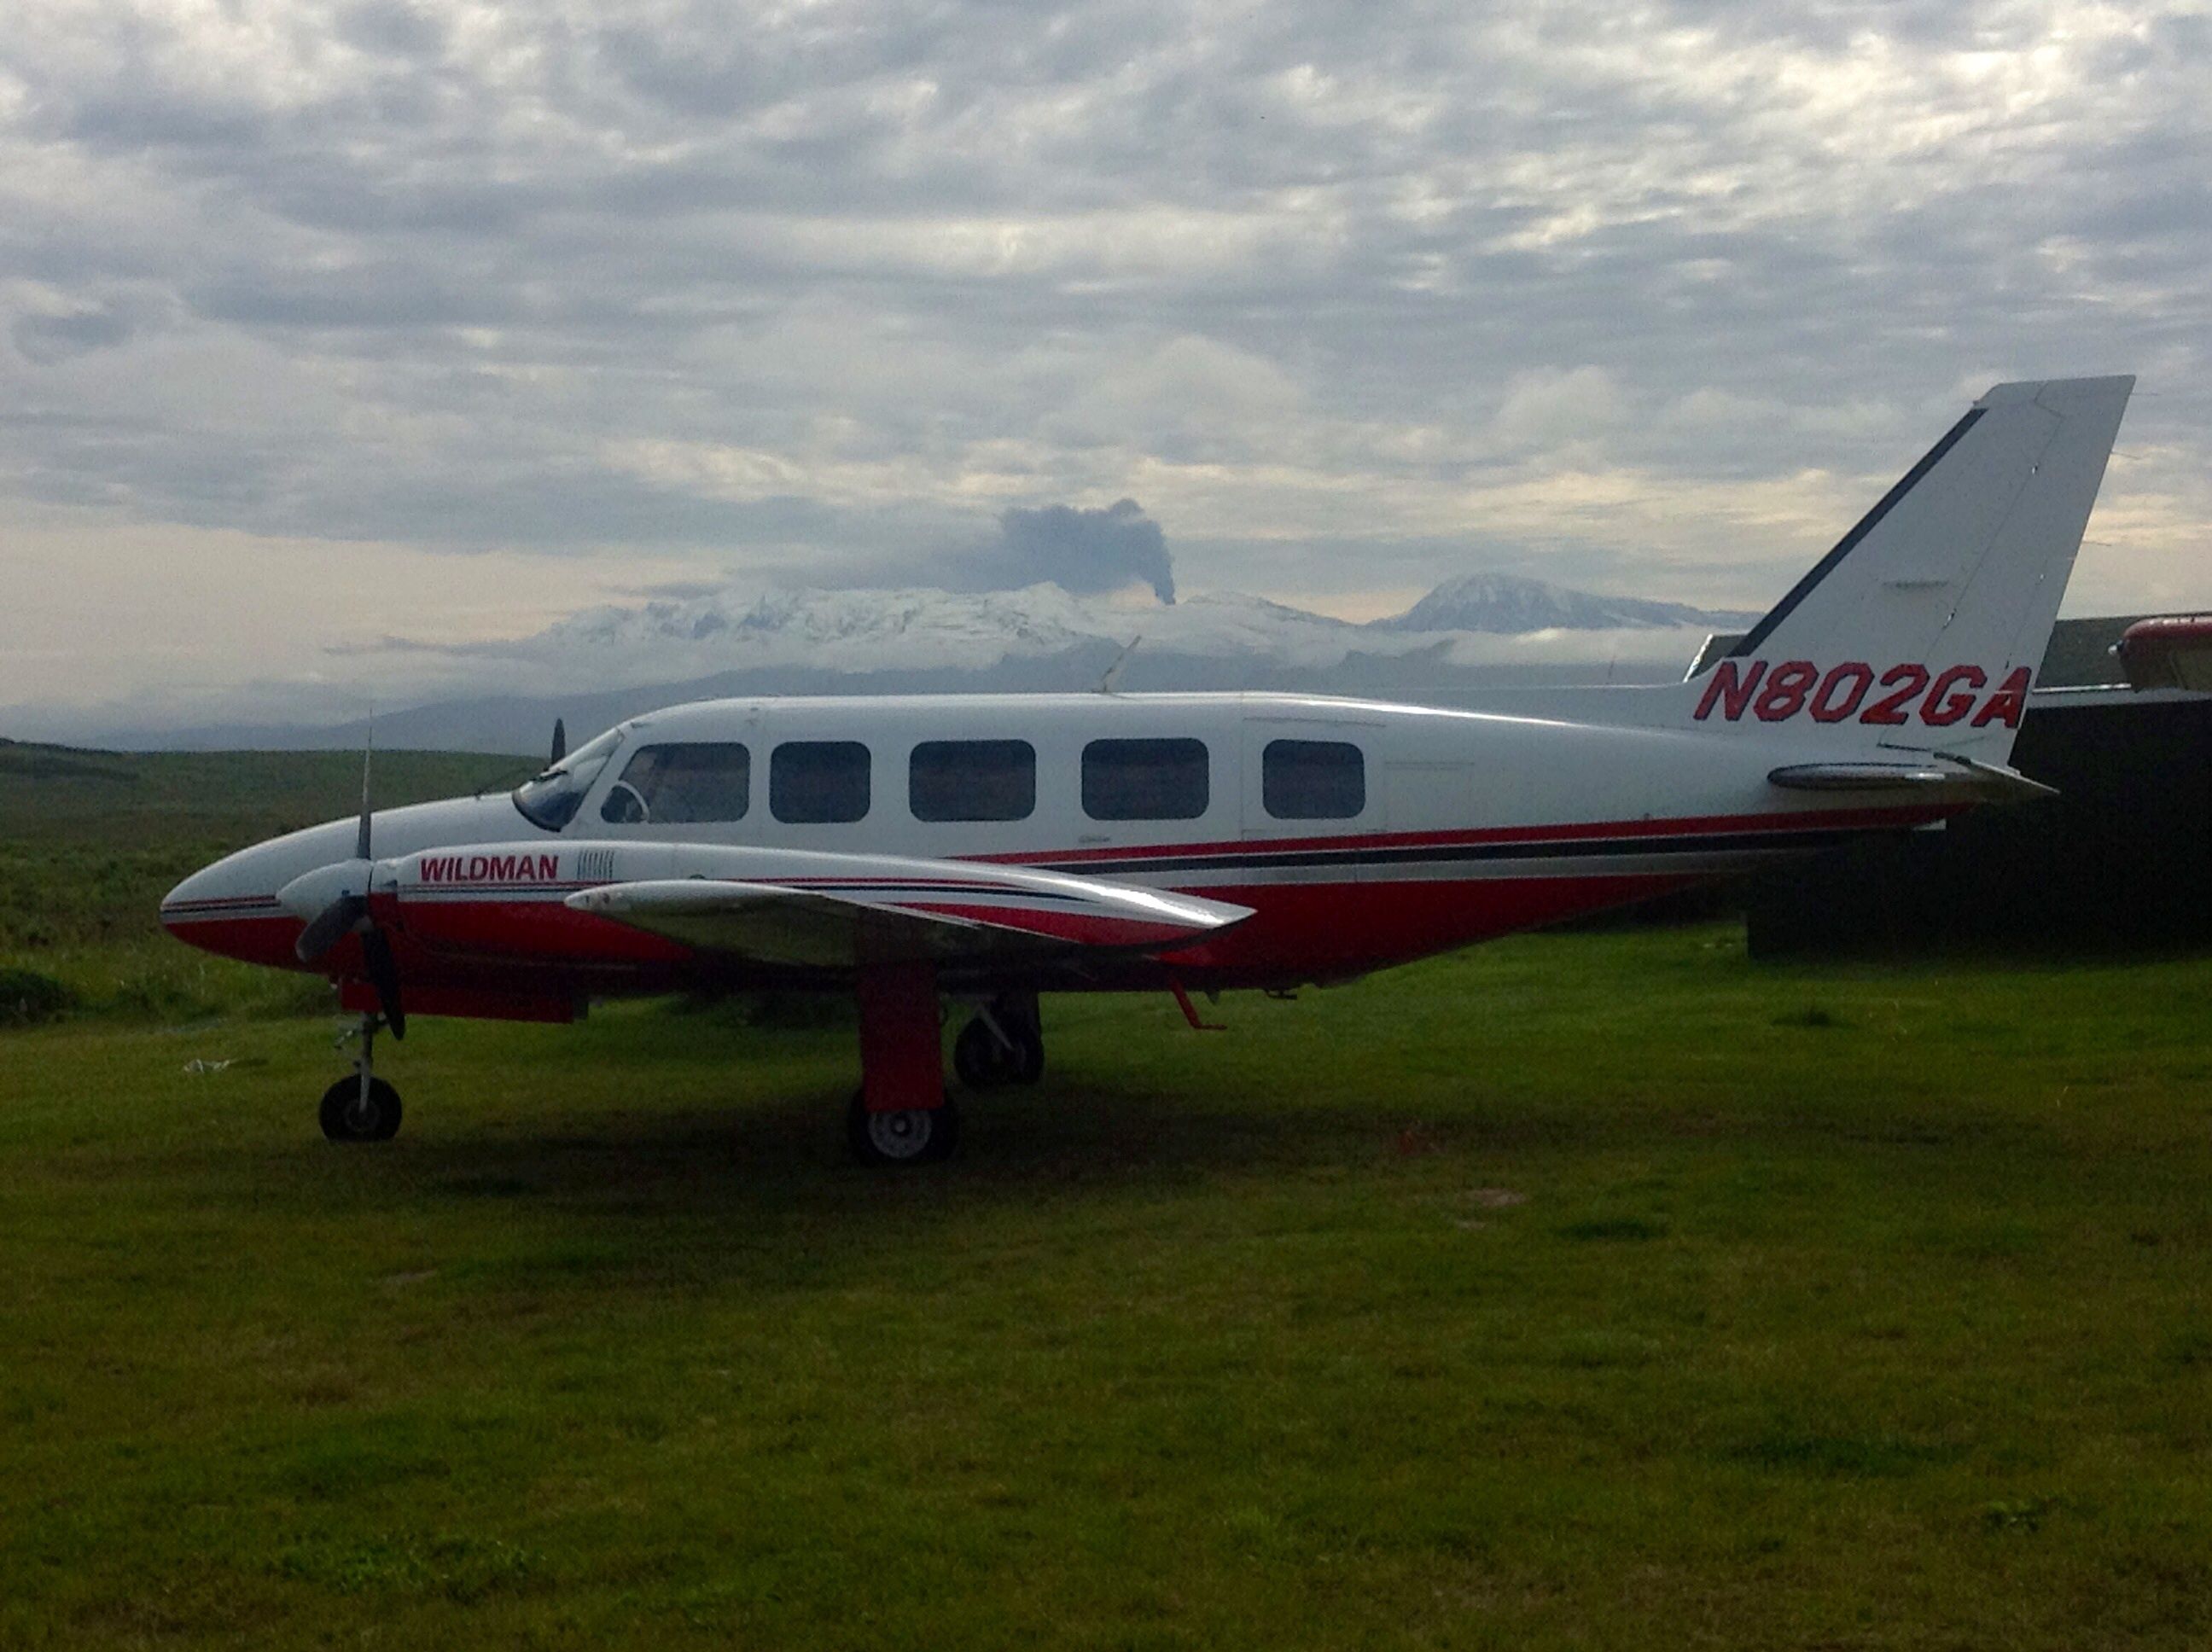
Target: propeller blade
[(560, 742), (330, 926), (383, 975)]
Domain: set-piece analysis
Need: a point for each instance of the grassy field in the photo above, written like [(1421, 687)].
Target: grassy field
[(1580, 1290)]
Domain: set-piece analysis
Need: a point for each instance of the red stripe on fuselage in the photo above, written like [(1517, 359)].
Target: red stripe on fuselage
[(1308, 931), (544, 931), (1778, 820), (1298, 931)]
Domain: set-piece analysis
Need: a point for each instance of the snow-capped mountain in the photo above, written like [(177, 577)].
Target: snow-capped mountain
[(606, 663), (904, 630), (849, 630), (1513, 605)]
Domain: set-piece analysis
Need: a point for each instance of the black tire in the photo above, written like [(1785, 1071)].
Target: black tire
[(921, 1135), (981, 1061), (1025, 1026), (343, 1119), (984, 1063), (1028, 1056)]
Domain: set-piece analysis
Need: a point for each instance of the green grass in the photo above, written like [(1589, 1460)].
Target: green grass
[(1581, 1290), (1590, 1290)]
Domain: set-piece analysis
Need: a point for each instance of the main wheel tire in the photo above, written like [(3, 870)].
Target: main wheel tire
[(1028, 1056), (1025, 1027), (915, 1135), (345, 1118), (981, 1061), (985, 1062)]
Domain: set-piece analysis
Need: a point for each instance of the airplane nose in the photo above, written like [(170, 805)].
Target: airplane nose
[(231, 908), (228, 908), (235, 907)]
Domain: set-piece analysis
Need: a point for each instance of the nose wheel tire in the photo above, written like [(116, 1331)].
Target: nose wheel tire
[(915, 1135), (348, 1114)]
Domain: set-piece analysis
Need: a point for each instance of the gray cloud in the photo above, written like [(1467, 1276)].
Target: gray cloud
[(820, 292), (49, 338)]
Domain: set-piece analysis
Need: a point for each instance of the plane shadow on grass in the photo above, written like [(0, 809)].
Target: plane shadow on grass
[(1079, 1136), (763, 1195), (1082, 1138), (760, 1196)]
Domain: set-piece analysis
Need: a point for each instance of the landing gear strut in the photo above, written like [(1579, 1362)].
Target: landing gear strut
[(362, 1107), (1003, 1045), (900, 1113)]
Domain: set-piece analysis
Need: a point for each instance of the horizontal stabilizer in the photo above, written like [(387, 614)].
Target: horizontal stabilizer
[(1962, 777)]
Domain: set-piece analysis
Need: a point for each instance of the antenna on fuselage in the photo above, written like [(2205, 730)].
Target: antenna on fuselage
[(1114, 671)]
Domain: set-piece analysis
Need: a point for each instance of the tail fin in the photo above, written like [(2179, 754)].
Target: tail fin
[(1924, 627)]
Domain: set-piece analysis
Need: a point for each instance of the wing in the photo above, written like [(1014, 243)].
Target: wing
[(941, 912)]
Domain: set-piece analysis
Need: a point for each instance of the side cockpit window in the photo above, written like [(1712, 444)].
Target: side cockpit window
[(1313, 779), (682, 782), (818, 782)]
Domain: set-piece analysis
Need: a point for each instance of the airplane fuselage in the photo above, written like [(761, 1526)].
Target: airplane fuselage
[(1359, 834)]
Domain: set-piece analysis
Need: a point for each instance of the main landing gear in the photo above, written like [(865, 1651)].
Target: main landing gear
[(1003, 1045), (906, 1135), (362, 1107), (901, 1114)]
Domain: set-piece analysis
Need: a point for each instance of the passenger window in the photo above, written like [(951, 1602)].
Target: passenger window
[(972, 780), (671, 784), (1145, 780), (814, 782), (1313, 779)]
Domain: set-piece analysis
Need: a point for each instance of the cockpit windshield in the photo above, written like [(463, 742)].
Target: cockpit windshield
[(551, 801)]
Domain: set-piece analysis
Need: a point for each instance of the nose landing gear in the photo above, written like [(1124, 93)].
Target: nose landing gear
[(362, 1107)]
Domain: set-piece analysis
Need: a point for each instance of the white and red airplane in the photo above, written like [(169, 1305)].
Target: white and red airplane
[(991, 847)]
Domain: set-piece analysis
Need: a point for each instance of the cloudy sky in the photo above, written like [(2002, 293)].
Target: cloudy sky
[(324, 323)]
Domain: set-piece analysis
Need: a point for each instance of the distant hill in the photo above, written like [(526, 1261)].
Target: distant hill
[(53, 794)]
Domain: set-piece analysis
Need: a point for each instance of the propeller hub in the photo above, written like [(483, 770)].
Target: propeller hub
[(308, 895)]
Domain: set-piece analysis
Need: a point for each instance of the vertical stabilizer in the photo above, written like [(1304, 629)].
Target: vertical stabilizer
[(1924, 627)]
